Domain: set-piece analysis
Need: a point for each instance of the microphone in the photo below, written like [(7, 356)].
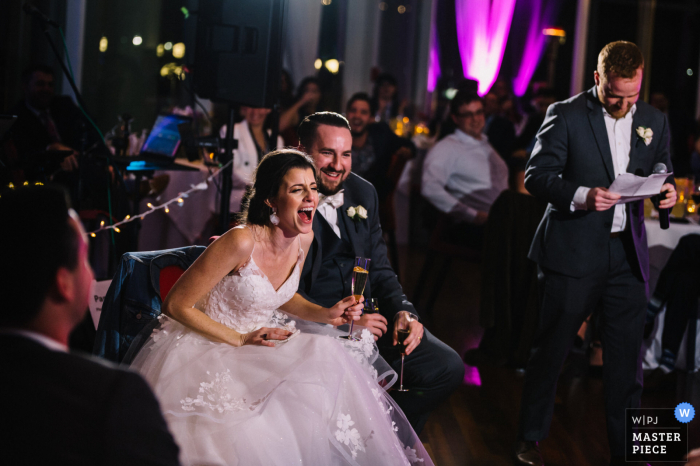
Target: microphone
[(33, 11), (664, 214)]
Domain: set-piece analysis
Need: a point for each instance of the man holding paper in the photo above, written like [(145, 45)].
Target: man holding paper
[(591, 249)]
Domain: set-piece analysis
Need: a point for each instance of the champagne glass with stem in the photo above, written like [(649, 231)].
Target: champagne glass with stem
[(402, 322), (360, 274)]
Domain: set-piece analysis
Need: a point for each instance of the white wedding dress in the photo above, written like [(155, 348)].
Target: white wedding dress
[(312, 400)]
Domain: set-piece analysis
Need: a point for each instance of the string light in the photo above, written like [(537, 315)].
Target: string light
[(179, 199)]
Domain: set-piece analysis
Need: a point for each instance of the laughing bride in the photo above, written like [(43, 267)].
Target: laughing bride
[(242, 383)]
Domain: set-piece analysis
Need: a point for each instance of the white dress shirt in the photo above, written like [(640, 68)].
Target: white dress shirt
[(463, 172), (620, 139), (329, 212)]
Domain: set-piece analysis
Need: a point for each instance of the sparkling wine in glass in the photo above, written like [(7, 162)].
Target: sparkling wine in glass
[(403, 330), (360, 274)]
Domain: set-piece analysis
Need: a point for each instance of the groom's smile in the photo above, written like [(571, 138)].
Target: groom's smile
[(332, 154)]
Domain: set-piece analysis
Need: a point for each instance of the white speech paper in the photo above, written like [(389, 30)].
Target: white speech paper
[(633, 188), (97, 297)]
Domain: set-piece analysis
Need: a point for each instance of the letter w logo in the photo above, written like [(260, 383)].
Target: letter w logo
[(684, 412)]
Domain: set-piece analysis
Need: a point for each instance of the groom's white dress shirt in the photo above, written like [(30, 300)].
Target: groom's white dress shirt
[(620, 140)]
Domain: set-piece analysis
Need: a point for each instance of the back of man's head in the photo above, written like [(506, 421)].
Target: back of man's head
[(37, 239), (621, 59), (307, 128), (463, 97)]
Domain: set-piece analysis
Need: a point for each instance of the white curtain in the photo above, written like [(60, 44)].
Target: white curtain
[(300, 45)]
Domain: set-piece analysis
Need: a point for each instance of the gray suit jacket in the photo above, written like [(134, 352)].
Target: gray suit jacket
[(572, 150)]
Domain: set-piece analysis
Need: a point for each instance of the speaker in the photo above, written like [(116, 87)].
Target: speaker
[(238, 53)]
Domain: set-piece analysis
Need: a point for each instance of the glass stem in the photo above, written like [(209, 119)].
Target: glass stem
[(352, 324), (401, 382)]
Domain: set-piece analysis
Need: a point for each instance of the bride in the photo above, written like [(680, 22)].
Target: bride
[(242, 383)]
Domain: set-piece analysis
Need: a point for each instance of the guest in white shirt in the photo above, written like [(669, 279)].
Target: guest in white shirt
[(253, 142), (463, 175)]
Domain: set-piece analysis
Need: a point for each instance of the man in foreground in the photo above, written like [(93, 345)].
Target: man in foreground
[(62, 408), (591, 250)]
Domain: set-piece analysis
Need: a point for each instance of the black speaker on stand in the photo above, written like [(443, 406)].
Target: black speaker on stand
[(238, 61)]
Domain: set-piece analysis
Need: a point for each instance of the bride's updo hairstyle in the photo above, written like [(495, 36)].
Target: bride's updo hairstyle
[(267, 181)]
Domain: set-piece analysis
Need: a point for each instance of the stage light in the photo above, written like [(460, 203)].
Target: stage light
[(168, 46), (318, 64), (402, 9), (326, 2), (332, 65), (557, 32), (103, 44), (160, 50), (383, 6), (179, 50), (690, 72), (137, 40), (165, 70)]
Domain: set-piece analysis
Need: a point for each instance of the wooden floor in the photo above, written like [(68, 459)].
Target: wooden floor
[(478, 424)]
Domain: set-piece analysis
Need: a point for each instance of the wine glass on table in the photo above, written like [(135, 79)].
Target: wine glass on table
[(402, 322), (360, 274)]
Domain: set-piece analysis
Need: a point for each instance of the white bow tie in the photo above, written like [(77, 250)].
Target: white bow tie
[(336, 200)]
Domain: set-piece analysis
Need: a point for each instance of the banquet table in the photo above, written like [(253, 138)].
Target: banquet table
[(661, 244)]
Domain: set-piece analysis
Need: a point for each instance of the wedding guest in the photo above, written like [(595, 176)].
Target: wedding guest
[(254, 141), (374, 145), (432, 370), (499, 130), (592, 250), (385, 98), (462, 174), (307, 102), (677, 289), (62, 408)]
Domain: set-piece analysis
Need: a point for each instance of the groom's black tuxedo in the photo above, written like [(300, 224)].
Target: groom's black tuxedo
[(433, 370), (586, 267), (64, 409)]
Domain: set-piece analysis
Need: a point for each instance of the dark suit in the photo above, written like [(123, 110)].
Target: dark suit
[(65, 409), (584, 266), (433, 370)]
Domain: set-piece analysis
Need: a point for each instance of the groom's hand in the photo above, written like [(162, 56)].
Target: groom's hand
[(413, 339), (600, 199), (375, 323)]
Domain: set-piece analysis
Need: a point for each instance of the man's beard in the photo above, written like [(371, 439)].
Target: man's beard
[(357, 134), (325, 190)]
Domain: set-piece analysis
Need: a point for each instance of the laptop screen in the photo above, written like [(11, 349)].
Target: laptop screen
[(164, 138)]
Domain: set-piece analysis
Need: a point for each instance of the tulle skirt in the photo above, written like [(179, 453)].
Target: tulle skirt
[(314, 400)]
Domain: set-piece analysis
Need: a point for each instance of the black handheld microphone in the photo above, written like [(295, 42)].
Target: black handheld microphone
[(664, 214), (33, 11)]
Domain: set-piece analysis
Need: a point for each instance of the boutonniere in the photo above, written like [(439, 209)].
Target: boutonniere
[(357, 213), (645, 134)]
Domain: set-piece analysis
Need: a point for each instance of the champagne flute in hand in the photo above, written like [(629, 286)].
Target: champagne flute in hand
[(360, 274), (403, 330)]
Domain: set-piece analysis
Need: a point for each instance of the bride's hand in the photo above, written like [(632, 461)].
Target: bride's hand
[(345, 311), (264, 336)]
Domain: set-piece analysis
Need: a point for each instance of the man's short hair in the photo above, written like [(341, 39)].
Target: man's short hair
[(29, 71), (463, 97), (37, 239), (363, 96), (620, 58), (307, 128)]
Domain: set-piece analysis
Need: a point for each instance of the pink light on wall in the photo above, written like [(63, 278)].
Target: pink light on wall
[(433, 60), (482, 33)]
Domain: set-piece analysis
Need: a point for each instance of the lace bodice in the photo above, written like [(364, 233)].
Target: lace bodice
[(246, 300)]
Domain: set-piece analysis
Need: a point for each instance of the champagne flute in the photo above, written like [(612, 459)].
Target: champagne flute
[(402, 322), (360, 274)]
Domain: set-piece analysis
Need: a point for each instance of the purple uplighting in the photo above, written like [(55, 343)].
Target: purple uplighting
[(434, 60), (534, 43), (471, 376), (482, 33)]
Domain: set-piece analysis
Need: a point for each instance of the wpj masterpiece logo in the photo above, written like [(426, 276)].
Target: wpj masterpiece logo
[(658, 434)]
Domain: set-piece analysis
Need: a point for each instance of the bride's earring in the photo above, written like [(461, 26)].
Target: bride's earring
[(274, 219)]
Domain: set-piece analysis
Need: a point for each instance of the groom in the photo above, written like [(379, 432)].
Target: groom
[(590, 249), (432, 370)]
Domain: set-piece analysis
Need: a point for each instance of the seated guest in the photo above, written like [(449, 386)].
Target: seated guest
[(432, 370), (500, 130), (62, 408), (374, 145), (463, 175), (254, 141), (308, 101), (678, 290), (385, 98), (544, 97), (45, 122)]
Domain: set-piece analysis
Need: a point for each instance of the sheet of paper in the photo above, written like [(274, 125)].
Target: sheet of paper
[(633, 188), (97, 297)]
